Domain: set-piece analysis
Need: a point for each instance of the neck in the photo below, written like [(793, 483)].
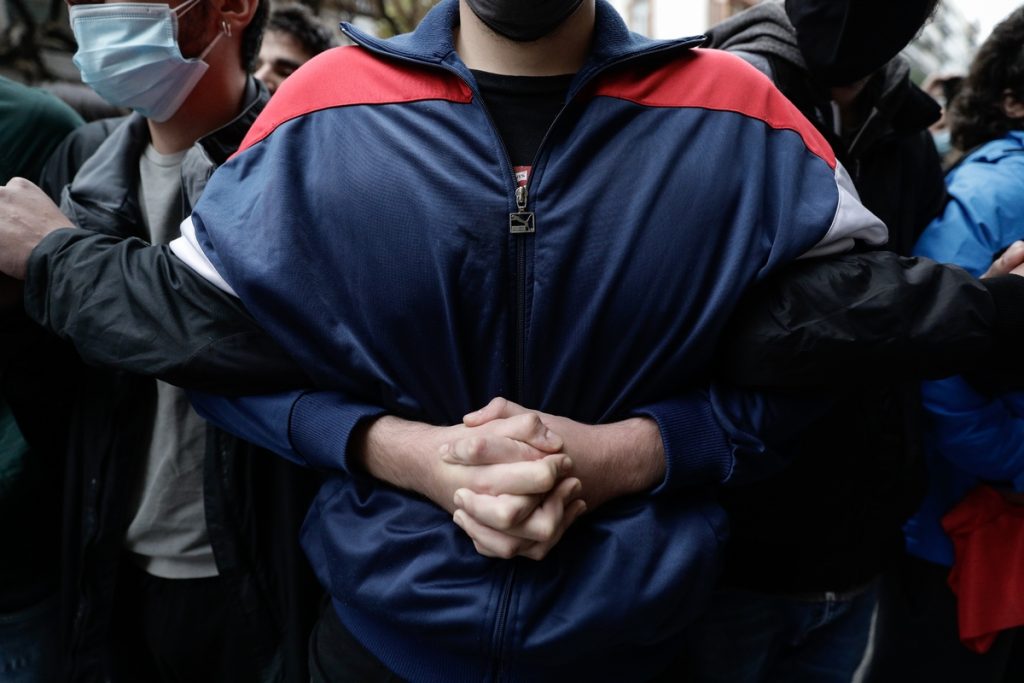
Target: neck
[(563, 51), (216, 100)]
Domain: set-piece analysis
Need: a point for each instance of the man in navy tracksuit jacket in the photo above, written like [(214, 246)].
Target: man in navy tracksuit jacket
[(419, 252), (392, 238)]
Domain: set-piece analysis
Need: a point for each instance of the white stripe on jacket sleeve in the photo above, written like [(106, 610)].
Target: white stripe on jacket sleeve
[(852, 222), (188, 250)]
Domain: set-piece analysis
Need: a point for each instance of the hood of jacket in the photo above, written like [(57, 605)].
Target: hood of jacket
[(895, 105), (763, 29)]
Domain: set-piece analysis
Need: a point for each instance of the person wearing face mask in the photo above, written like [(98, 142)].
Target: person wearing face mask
[(168, 572), (943, 88)]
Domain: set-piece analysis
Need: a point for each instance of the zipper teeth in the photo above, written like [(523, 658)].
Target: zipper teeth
[(501, 619), (520, 318)]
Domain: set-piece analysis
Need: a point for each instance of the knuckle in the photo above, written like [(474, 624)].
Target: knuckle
[(507, 515), (544, 478), (480, 484), (507, 551), (476, 447), (546, 529), (538, 552)]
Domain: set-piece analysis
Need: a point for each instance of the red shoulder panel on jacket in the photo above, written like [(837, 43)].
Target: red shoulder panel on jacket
[(351, 75), (714, 79)]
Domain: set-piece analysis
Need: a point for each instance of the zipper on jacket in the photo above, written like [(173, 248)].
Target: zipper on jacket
[(521, 223), (501, 622)]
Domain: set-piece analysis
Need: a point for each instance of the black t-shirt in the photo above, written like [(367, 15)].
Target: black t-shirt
[(523, 108)]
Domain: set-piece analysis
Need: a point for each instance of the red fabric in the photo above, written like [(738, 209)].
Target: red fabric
[(348, 76), (713, 79), (988, 573)]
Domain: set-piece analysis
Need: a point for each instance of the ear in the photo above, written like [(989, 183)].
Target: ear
[(237, 14), (1012, 107)]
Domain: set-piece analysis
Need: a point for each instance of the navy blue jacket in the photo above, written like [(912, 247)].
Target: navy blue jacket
[(365, 223)]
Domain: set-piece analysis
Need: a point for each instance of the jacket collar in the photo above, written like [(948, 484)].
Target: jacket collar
[(222, 143), (433, 42)]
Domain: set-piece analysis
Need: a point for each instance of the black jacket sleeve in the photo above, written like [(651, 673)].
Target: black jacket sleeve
[(65, 161), (871, 318), (130, 306)]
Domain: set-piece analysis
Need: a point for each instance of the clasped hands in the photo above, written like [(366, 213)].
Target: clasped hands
[(515, 479), (517, 490)]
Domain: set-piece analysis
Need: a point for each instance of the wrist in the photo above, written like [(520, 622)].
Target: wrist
[(385, 450), (401, 453), (636, 453), (613, 460)]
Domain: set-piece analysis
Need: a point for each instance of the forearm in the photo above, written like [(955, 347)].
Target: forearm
[(613, 460), (129, 306), (313, 428), (865, 318), (402, 453)]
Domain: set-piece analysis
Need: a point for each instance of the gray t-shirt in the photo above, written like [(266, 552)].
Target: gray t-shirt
[(168, 536)]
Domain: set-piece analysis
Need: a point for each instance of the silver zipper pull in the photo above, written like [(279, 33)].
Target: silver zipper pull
[(522, 221)]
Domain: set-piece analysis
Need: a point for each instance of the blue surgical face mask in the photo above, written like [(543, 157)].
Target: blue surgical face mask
[(943, 142), (129, 54)]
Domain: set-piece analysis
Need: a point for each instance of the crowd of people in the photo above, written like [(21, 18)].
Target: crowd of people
[(517, 348)]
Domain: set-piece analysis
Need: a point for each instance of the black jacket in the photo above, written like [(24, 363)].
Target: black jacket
[(833, 520), (851, 324), (254, 501)]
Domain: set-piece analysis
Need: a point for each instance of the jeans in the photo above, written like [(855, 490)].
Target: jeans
[(28, 647), (748, 637)]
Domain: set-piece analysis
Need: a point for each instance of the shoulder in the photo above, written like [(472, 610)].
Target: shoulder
[(72, 153), (36, 107), (349, 76), (992, 176), (700, 76), (985, 213), (714, 80)]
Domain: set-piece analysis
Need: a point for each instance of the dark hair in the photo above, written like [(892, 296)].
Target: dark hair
[(951, 87), (298, 21), (976, 115), (252, 36)]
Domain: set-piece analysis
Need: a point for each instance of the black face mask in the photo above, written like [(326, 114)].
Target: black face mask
[(843, 41), (523, 20)]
